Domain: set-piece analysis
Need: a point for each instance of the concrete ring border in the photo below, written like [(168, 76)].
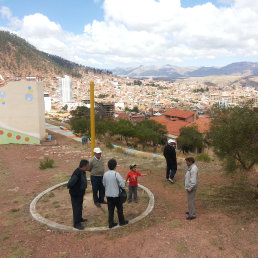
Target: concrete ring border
[(54, 225)]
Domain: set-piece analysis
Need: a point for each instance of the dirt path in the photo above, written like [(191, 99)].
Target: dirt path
[(165, 233)]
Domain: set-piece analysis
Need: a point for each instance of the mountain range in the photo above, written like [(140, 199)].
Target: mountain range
[(168, 72)]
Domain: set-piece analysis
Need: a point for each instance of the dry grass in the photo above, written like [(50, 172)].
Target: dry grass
[(233, 199)]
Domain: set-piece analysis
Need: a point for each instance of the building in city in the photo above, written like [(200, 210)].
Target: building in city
[(65, 89), (47, 102)]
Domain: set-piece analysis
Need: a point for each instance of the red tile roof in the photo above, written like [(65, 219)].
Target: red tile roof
[(173, 126), (203, 124), (178, 113)]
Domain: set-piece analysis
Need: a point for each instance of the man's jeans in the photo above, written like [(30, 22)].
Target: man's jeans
[(98, 189), (112, 203), (170, 173)]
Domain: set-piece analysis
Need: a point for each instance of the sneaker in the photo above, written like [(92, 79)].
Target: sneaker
[(191, 217), (112, 225), (171, 180), (98, 204), (125, 223), (83, 220), (79, 226)]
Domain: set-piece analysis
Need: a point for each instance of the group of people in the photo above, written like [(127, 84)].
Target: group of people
[(109, 183)]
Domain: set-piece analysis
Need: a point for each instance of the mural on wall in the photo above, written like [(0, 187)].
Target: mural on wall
[(22, 118)]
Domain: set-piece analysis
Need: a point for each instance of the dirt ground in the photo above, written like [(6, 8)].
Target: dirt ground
[(216, 232)]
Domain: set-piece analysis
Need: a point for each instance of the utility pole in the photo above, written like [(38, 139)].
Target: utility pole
[(92, 118)]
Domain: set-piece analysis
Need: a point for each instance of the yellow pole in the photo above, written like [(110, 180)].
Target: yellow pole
[(92, 118)]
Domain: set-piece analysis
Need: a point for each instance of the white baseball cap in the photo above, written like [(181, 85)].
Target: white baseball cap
[(97, 150), (171, 141)]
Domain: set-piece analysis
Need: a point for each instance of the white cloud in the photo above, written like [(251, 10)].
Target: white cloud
[(149, 31)]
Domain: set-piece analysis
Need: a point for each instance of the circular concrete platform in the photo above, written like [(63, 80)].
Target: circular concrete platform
[(57, 226)]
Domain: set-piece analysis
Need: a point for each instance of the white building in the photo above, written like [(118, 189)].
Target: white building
[(47, 101), (65, 89)]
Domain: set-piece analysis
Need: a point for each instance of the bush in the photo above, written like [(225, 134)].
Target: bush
[(109, 145), (47, 163), (203, 157)]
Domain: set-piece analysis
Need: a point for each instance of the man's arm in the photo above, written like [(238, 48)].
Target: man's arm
[(120, 180), (90, 165), (104, 181), (73, 180), (193, 178)]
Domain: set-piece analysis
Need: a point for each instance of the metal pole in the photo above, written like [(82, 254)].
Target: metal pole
[(92, 118)]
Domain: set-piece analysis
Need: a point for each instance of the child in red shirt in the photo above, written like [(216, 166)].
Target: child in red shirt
[(133, 182)]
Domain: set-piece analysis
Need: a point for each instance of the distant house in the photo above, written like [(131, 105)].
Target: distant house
[(136, 118), (174, 119)]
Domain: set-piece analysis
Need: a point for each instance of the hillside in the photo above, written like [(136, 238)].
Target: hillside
[(19, 58)]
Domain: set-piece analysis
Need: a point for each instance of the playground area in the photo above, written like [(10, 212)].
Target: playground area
[(226, 223)]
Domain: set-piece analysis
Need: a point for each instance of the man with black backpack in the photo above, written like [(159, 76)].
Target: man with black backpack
[(112, 181)]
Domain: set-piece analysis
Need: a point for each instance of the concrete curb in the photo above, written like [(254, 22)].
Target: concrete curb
[(54, 225)]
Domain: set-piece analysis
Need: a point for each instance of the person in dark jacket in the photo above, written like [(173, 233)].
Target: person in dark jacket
[(170, 155), (77, 186)]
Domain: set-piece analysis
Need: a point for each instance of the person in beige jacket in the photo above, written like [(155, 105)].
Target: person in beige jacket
[(96, 168), (191, 183)]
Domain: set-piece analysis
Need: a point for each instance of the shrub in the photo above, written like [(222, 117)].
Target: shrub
[(203, 157), (47, 163), (109, 145)]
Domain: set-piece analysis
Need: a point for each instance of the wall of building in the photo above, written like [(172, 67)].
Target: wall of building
[(22, 113)]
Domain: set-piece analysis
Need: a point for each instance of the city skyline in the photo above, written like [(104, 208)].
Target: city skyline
[(123, 33)]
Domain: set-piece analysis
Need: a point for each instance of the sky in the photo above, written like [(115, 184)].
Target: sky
[(128, 33)]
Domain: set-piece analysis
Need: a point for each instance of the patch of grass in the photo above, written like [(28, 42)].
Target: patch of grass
[(180, 247), (236, 199), (60, 177), (47, 163), (5, 236), (109, 145), (56, 204), (19, 250), (29, 228), (47, 196), (246, 253), (203, 157), (63, 255), (120, 150), (21, 199), (15, 210), (175, 223), (218, 242)]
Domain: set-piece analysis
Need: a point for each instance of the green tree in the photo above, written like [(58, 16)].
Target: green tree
[(81, 112), (234, 135), (65, 107), (190, 139), (80, 126), (149, 131), (126, 129)]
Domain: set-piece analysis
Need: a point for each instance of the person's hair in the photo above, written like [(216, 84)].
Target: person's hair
[(190, 159), (112, 164), (83, 163)]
